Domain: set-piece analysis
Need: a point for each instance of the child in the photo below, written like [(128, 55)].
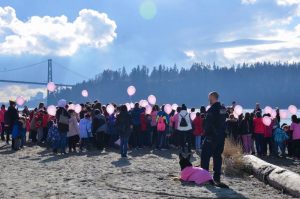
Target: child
[(53, 136), (85, 127), (279, 137), (198, 130)]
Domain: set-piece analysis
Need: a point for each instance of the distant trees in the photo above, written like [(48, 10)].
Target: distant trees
[(276, 84)]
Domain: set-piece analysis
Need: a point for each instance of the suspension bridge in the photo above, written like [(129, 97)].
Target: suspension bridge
[(49, 63)]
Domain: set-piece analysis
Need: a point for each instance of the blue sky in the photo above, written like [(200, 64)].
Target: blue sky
[(88, 36)]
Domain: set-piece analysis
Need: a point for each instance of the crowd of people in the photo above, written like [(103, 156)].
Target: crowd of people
[(136, 128)]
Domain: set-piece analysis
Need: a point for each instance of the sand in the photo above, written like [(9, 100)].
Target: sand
[(35, 172)]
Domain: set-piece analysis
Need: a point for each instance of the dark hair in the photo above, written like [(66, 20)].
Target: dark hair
[(178, 109), (123, 109), (258, 114), (197, 114), (183, 107), (193, 109), (247, 116), (215, 94), (295, 119), (202, 109)]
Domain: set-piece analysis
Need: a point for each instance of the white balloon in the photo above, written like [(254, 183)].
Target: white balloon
[(238, 109), (174, 107), (151, 99), (110, 109), (168, 108), (20, 100), (293, 109), (51, 110), (128, 106), (148, 109), (267, 121), (193, 115), (283, 114), (51, 86), (235, 115), (131, 90), (77, 108), (208, 107), (143, 103), (84, 93), (131, 105), (268, 110)]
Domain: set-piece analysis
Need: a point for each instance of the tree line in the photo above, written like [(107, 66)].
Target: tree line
[(275, 84)]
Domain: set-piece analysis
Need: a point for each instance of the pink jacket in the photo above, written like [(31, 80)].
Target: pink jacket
[(195, 174)]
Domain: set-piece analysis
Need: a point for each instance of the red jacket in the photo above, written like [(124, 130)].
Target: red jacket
[(259, 126), (198, 126), (143, 122), (2, 112), (269, 130)]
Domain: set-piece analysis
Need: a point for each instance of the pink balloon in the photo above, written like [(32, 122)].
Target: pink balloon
[(77, 108), (193, 115), (84, 93), (51, 86), (131, 90), (268, 110), (293, 109), (110, 109), (168, 108), (267, 121), (238, 109), (283, 114), (273, 114), (151, 99), (20, 100), (71, 107), (174, 107), (51, 110), (148, 109)]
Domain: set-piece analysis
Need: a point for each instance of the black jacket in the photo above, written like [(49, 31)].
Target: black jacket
[(123, 124), (215, 121), (11, 116), (62, 128)]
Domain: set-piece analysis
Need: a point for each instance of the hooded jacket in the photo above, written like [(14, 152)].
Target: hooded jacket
[(186, 115)]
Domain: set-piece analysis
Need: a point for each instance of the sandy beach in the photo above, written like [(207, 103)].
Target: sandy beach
[(35, 173)]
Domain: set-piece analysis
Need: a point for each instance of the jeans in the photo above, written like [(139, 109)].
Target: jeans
[(259, 143), (198, 142), (161, 137), (281, 146), (63, 142), (213, 148), (123, 146)]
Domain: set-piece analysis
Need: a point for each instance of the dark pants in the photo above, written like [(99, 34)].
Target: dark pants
[(213, 148), (2, 131), (268, 143), (259, 143), (186, 138), (72, 142), (296, 148), (7, 132), (135, 135), (154, 136), (100, 140), (161, 138), (33, 134)]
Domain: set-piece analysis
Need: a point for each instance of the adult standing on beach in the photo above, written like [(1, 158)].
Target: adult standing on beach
[(213, 146), (62, 117), (10, 117)]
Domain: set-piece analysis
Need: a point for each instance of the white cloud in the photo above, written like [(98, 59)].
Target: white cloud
[(190, 54), (54, 35), (11, 92), (248, 2), (287, 2), (287, 49)]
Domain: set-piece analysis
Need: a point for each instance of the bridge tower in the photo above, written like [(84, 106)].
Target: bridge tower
[(49, 77)]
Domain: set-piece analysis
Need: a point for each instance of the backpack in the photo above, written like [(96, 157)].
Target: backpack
[(183, 122), (161, 125)]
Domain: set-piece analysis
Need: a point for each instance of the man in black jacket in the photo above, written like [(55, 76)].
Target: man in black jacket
[(10, 117), (213, 146)]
